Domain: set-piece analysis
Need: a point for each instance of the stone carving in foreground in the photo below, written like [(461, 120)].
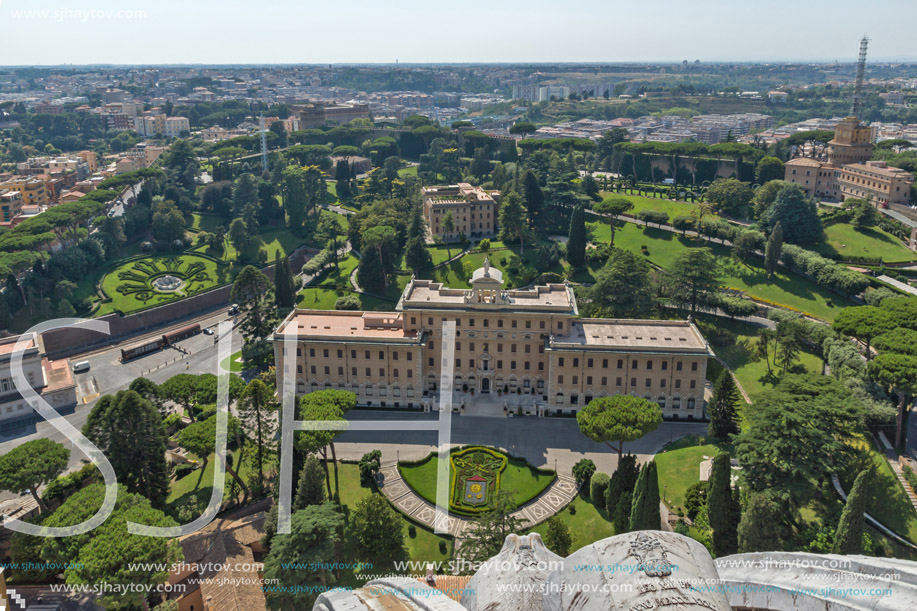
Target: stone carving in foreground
[(646, 571)]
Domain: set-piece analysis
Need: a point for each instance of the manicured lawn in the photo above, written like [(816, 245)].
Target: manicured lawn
[(679, 467), (322, 295), (740, 353), (671, 208), (784, 288), (198, 485), (408, 171), (233, 363), (844, 241), (518, 475), (587, 523), (130, 285)]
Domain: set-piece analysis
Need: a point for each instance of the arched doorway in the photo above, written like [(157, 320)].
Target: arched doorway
[(485, 385)]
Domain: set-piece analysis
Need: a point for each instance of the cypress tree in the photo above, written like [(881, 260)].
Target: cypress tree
[(762, 527), (723, 419), (621, 517), (284, 294), (311, 490), (576, 244), (644, 512), (772, 249), (622, 482), (849, 537), (722, 513)]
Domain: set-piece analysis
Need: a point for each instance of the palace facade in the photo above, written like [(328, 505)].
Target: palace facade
[(522, 350)]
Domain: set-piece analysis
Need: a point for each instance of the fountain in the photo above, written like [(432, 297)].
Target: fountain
[(167, 283)]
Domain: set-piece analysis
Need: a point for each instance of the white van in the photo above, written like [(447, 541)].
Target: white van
[(81, 367)]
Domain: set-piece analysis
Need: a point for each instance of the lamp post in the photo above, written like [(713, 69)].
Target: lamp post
[(664, 489)]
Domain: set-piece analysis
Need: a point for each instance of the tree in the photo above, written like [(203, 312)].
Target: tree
[(611, 208), (377, 528), (168, 222), (480, 163), (325, 405), (199, 438), (244, 192), (722, 408), (448, 230), (729, 195), (557, 537), (369, 465), (514, 220), (762, 527), (311, 541), (848, 539), (745, 245), (863, 323), (129, 431), (598, 485), (644, 513), (695, 498), (797, 213), (238, 236), (622, 286), (621, 487), (576, 243), (694, 277), (311, 488), (897, 372), (252, 291), (532, 195), (620, 418), (150, 391), (110, 554), (284, 290), (522, 128), (416, 255), (381, 238), (181, 389), (29, 466), (582, 471), (723, 511), (487, 532), (768, 169), (257, 417), (773, 248), (797, 434), (864, 215)]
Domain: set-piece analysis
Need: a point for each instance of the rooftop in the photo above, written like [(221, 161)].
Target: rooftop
[(647, 335), (340, 325)]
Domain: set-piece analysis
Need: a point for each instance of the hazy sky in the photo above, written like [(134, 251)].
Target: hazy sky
[(285, 31)]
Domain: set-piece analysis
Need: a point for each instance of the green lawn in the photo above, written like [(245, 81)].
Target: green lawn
[(784, 288), (586, 523), (679, 467), (198, 485), (135, 277), (738, 349), (518, 476), (842, 240), (422, 547), (233, 363), (408, 171), (322, 295), (671, 208)]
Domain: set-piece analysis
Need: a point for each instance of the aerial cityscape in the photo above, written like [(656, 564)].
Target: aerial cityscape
[(520, 322)]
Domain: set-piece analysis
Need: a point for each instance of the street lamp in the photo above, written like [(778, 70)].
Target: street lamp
[(664, 488)]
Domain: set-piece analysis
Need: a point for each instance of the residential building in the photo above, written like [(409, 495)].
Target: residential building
[(32, 190), (10, 205), (119, 122), (875, 181), (150, 125), (473, 209), (526, 346), (52, 380)]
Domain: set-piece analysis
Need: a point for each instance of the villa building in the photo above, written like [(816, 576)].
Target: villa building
[(523, 349), (474, 211)]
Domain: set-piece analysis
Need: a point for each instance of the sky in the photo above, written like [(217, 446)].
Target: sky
[(43, 32)]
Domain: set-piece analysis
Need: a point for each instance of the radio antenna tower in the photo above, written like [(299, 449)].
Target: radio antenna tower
[(857, 106), (263, 146)]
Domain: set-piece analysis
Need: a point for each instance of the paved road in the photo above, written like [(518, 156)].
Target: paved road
[(108, 375), (540, 441)]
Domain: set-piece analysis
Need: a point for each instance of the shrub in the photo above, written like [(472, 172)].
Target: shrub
[(654, 217), (412, 531), (582, 471), (824, 271), (183, 469), (598, 485), (347, 302), (695, 498)]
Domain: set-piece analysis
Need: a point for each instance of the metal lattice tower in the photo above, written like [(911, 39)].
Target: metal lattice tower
[(264, 167), (857, 106)]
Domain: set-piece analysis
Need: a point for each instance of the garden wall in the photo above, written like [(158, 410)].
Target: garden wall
[(61, 343)]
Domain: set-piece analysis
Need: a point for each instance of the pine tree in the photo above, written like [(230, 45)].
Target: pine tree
[(849, 537), (722, 408), (722, 513), (576, 244), (311, 490), (644, 512), (772, 249)]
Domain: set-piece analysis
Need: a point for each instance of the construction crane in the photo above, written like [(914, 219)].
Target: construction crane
[(857, 106)]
